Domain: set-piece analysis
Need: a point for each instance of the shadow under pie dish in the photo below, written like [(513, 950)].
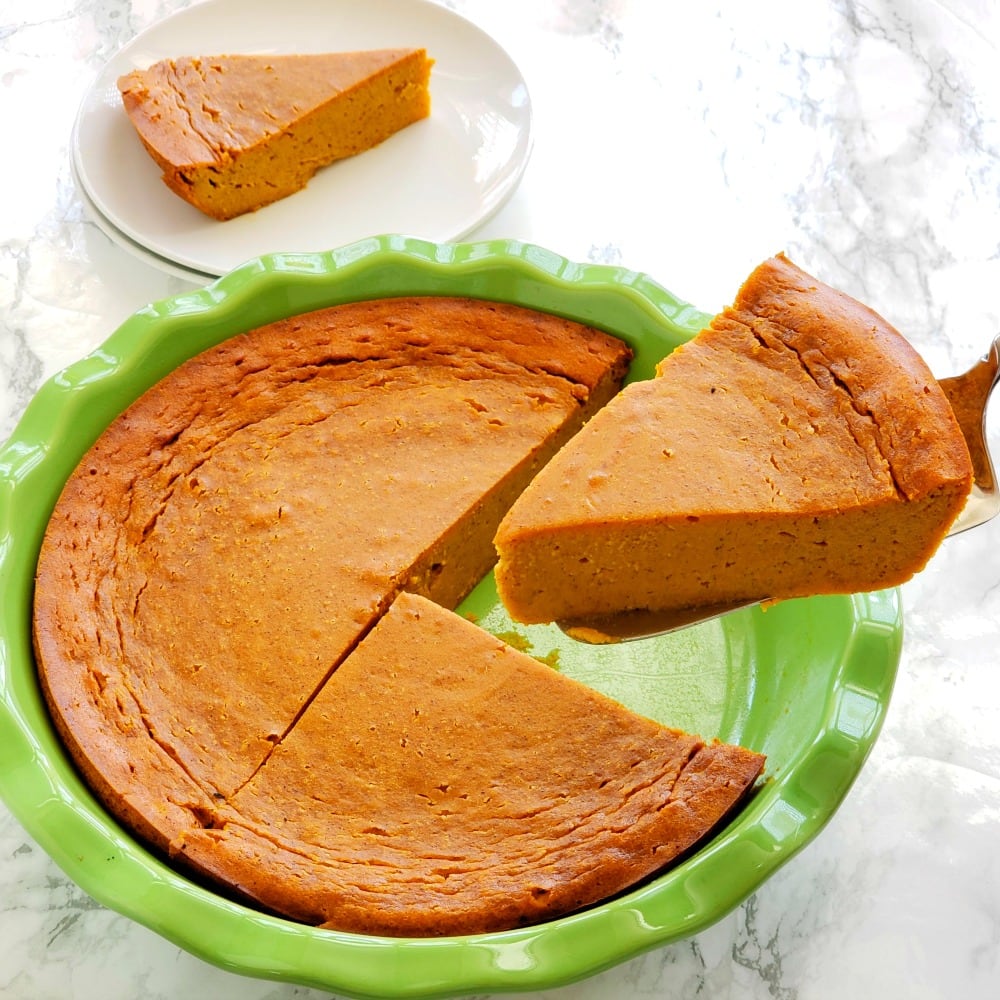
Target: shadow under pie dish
[(743, 650)]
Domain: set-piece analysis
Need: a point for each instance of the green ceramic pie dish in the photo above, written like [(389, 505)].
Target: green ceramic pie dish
[(806, 682)]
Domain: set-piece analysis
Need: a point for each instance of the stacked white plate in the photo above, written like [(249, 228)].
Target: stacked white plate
[(438, 179)]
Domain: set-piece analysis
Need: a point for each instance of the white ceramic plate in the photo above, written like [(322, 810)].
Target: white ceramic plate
[(438, 178)]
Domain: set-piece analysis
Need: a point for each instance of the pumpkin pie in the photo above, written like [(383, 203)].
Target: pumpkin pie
[(442, 782), (796, 446), (233, 133), (235, 532)]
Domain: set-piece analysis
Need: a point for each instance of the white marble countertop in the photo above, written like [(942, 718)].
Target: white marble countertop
[(688, 141)]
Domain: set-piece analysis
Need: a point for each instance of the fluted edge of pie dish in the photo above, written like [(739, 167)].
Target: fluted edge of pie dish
[(42, 790)]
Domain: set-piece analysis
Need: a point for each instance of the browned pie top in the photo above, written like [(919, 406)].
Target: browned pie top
[(798, 445), (230, 537), (233, 133), (196, 110), (238, 640), (795, 399), (444, 783)]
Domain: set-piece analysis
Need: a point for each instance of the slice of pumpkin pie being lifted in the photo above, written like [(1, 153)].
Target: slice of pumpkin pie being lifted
[(442, 782), (233, 133), (798, 445)]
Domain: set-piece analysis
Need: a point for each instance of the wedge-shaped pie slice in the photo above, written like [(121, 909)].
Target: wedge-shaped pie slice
[(233, 534), (797, 446), (444, 783), (232, 133)]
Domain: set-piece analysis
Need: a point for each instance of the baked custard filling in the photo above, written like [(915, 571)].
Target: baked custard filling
[(797, 446)]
